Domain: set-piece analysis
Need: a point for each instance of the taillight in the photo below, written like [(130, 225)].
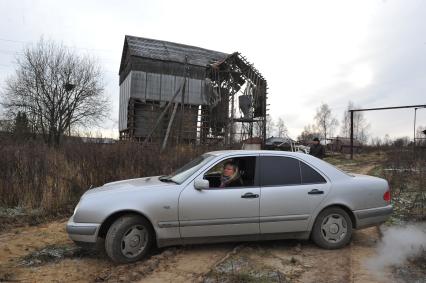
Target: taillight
[(387, 196)]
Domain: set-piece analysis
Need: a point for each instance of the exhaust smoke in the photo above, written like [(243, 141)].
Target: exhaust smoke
[(398, 244)]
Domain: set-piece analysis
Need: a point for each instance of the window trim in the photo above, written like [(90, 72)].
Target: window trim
[(301, 175), (282, 185), (256, 172), (327, 180)]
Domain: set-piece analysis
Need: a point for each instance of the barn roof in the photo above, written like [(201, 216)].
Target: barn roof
[(170, 51)]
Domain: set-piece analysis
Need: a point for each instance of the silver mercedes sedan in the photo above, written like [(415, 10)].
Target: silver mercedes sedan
[(235, 195)]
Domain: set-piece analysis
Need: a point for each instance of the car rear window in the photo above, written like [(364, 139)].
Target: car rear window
[(310, 175), (279, 171)]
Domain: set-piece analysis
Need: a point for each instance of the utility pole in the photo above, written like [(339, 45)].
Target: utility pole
[(414, 136), (380, 108), (352, 134)]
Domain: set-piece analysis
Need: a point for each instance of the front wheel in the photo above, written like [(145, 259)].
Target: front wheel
[(332, 228), (129, 239)]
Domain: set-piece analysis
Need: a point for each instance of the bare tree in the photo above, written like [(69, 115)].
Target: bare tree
[(309, 133), (6, 125), (56, 89), (387, 141), (270, 126), (281, 128), (361, 126), (421, 135), (325, 122), (377, 142)]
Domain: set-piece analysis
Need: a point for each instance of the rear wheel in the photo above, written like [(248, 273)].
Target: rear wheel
[(129, 239), (332, 228)]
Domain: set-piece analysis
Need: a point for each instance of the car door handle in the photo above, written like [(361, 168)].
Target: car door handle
[(315, 192), (249, 195)]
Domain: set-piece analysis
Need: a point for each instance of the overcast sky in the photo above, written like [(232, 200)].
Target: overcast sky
[(370, 52)]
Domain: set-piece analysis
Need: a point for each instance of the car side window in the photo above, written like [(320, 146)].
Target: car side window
[(310, 175), (233, 172), (279, 171)]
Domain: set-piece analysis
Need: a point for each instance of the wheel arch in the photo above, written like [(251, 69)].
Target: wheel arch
[(106, 224), (342, 206)]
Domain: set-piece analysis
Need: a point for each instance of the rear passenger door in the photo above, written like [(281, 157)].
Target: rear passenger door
[(290, 192)]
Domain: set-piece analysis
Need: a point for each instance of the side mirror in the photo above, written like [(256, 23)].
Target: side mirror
[(201, 184)]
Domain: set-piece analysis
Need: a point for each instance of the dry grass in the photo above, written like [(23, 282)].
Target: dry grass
[(404, 169), (39, 181), (36, 177)]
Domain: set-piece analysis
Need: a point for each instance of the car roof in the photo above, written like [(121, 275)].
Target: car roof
[(328, 169), (243, 151)]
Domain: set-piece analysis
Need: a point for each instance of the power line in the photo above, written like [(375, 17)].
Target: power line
[(10, 52), (74, 47), (10, 40)]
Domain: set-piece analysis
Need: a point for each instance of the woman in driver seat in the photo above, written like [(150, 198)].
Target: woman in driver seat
[(230, 176)]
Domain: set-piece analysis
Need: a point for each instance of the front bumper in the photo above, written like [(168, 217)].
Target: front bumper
[(372, 216), (82, 232)]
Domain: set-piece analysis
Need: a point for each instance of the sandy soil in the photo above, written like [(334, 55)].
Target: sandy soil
[(296, 261), (276, 261)]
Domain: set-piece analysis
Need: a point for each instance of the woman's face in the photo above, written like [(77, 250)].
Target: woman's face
[(228, 170)]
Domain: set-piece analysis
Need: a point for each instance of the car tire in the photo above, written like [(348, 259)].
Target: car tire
[(129, 239), (332, 228)]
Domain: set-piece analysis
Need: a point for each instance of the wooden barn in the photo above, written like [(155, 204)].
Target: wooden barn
[(175, 93)]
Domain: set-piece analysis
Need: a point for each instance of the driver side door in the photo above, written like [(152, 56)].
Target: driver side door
[(222, 212)]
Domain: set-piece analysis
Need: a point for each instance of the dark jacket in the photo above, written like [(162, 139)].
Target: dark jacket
[(235, 183), (317, 150)]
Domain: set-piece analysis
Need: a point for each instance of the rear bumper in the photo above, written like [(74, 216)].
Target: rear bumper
[(82, 232), (372, 216)]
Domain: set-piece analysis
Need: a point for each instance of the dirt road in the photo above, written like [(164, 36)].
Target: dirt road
[(288, 261), (44, 254)]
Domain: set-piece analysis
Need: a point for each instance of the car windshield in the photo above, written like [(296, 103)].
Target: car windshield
[(183, 173)]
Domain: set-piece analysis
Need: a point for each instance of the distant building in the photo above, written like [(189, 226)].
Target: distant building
[(343, 145), (98, 140), (93, 140), (171, 92), (281, 143), (254, 143)]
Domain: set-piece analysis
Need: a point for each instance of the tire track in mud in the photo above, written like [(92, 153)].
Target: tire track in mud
[(171, 264), (299, 261), (189, 263), (176, 264)]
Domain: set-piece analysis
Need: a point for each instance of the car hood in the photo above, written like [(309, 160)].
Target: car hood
[(138, 183)]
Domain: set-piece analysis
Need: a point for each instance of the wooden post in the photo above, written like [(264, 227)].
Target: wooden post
[(265, 114), (352, 134), (231, 128), (162, 114), (169, 127)]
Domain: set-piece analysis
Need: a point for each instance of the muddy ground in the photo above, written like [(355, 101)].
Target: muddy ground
[(43, 253)]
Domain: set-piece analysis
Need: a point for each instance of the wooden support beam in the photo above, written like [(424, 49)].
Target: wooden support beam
[(169, 126), (162, 114)]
